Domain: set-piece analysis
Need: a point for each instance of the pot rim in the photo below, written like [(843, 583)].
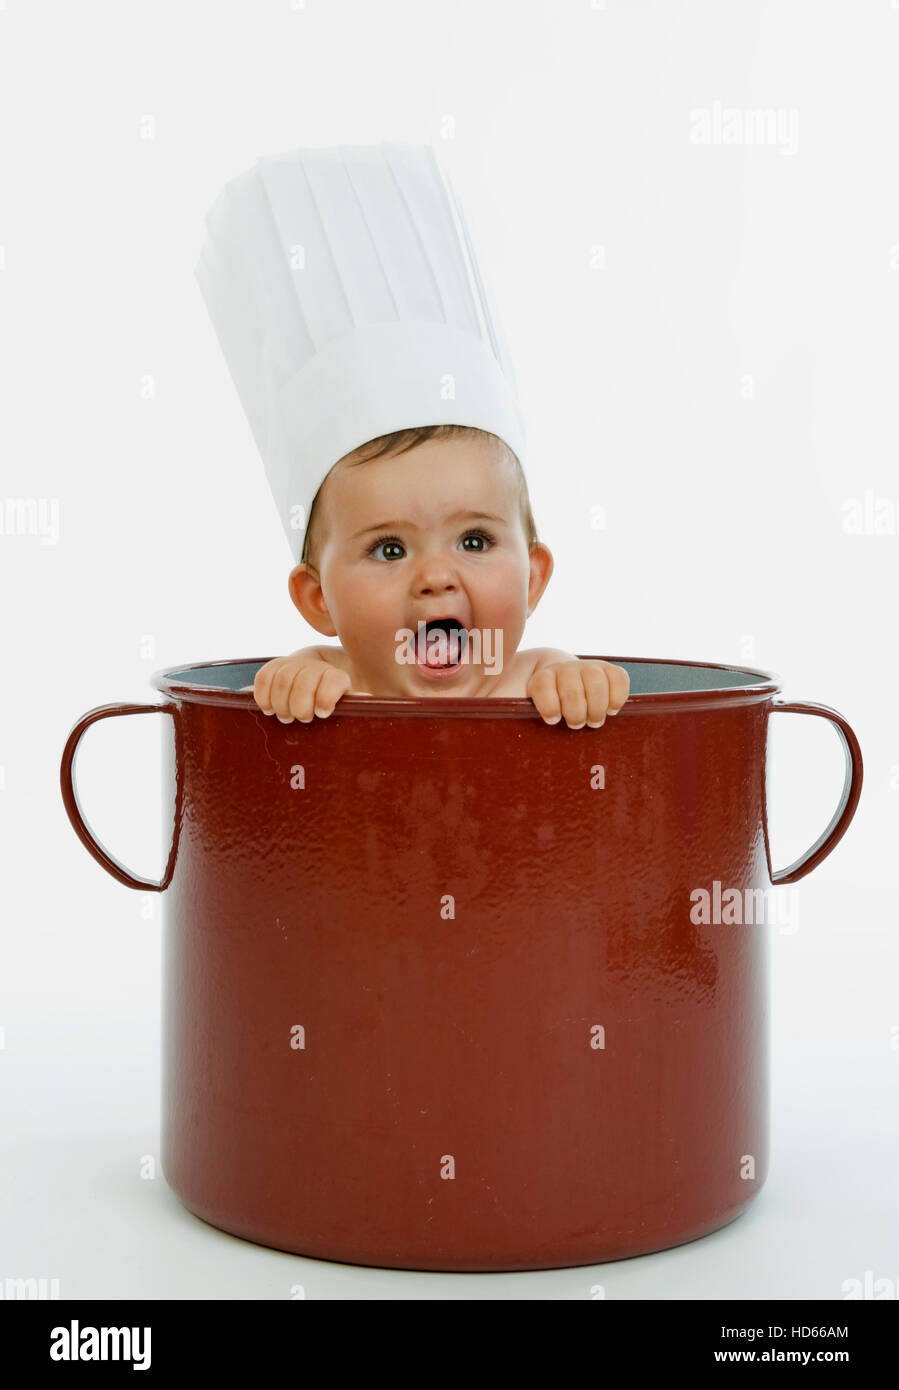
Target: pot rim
[(765, 684)]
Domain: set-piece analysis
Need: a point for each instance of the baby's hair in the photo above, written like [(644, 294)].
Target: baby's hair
[(398, 443)]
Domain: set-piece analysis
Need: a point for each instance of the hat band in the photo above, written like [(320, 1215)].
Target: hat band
[(391, 376)]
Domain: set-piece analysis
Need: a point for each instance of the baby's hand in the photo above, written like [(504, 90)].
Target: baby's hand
[(582, 691), (300, 685)]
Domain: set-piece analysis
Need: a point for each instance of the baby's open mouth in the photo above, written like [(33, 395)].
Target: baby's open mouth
[(441, 644)]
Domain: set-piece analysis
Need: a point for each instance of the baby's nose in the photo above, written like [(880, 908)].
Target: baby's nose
[(435, 577)]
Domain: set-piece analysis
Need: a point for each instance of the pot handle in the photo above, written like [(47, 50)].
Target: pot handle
[(73, 810), (842, 816)]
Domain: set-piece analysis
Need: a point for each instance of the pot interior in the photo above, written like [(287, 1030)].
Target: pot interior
[(647, 677)]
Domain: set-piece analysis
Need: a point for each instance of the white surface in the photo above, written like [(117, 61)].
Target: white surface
[(705, 348), (73, 1206)]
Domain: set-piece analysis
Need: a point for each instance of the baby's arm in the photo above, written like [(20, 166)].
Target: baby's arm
[(306, 683), (583, 691)]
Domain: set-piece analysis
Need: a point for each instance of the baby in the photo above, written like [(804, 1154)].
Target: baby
[(428, 526)]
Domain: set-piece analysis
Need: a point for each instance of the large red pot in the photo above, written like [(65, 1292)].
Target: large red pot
[(437, 993)]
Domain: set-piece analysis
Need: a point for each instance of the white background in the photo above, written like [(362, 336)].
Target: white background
[(705, 343)]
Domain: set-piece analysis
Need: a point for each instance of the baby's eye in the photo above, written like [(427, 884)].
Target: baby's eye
[(479, 536), (388, 541), (392, 544)]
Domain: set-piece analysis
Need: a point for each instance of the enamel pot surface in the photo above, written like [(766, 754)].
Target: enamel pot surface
[(449, 988)]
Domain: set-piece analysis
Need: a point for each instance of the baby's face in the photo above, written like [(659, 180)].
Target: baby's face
[(431, 533)]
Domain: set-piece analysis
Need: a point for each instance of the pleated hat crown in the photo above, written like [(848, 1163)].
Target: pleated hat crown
[(347, 298)]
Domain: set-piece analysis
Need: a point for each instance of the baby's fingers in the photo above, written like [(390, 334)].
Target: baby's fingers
[(262, 685), (573, 694), (294, 691), (332, 685), (619, 686), (596, 688), (314, 690), (544, 691)]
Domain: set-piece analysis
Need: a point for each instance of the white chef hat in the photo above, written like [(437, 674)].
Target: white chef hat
[(345, 293)]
